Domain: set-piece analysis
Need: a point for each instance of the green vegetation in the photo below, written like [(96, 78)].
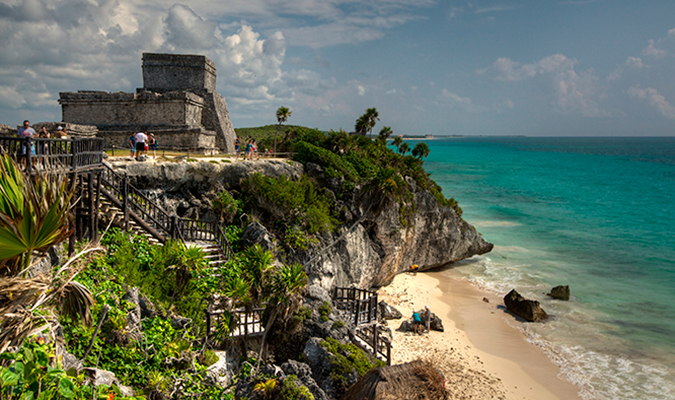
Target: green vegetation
[(293, 202), (291, 390), (325, 311), (346, 358)]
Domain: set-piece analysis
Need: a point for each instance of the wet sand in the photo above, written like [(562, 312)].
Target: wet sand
[(479, 353)]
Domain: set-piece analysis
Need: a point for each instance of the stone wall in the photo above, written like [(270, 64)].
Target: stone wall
[(169, 72), (178, 100), (136, 110)]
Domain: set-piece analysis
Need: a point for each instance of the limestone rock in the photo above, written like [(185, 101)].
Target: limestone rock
[(560, 292), (255, 233), (388, 312), (524, 308), (304, 374), (377, 248), (435, 325), (317, 292)]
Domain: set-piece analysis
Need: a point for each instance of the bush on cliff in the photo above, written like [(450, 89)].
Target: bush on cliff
[(293, 202)]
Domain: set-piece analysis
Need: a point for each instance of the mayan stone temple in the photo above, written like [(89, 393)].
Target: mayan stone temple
[(178, 103)]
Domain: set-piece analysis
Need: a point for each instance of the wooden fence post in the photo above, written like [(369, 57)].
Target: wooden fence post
[(125, 202), (374, 327)]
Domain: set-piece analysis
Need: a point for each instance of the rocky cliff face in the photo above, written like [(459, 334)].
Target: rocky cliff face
[(378, 247)]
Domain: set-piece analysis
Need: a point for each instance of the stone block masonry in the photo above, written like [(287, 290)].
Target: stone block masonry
[(177, 103)]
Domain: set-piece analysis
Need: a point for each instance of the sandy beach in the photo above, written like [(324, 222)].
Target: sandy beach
[(479, 353)]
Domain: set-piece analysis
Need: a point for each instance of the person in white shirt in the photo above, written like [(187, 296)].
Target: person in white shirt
[(141, 138), (25, 132)]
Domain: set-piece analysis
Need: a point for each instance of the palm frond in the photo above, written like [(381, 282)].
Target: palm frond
[(76, 301)]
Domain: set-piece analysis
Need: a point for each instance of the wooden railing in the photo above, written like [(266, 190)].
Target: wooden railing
[(133, 203), (155, 220), (360, 305), (73, 155), (376, 342), (247, 323)]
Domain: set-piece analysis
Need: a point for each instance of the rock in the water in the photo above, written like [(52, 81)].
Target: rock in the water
[(388, 312), (527, 309), (560, 292)]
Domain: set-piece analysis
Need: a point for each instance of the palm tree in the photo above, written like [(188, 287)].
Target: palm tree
[(361, 126), (397, 142), (384, 135), (287, 284), (404, 148), (421, 150), (372, 116), (283, 113), (366, 122)]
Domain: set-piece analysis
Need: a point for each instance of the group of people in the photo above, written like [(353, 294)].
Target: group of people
[(422, 321), (26, 131), (250, 148), (141, 143)]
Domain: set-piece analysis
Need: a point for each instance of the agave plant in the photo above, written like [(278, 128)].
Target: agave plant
[(34, 215)]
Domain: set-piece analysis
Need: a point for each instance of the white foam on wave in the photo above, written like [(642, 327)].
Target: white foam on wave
[(496, 224), (598, 364), (603, 376)]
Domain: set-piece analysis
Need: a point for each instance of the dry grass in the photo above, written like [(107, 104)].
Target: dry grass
[(416, 380)]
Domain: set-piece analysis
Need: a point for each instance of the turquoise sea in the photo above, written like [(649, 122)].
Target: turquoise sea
[(597, 214)]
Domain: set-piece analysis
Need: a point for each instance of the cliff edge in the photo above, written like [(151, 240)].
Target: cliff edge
[(371, 243)]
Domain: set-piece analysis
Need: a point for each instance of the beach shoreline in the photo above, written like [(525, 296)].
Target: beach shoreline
[(479, 353)]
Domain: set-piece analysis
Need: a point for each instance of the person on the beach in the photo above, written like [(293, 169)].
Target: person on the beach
[(414, 268), (426, 317), (418, 322)]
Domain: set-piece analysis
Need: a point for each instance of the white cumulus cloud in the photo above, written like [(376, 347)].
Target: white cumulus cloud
[(655, 99)]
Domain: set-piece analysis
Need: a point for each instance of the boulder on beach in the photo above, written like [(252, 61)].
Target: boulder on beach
[(436, 324), (388, 312), (560, 292), (524, 308)]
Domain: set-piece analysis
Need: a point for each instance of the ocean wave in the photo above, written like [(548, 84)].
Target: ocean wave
[(597, 363), (496, 224)]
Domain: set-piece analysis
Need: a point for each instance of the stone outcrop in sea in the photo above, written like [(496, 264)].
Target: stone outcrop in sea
[(368, 249)]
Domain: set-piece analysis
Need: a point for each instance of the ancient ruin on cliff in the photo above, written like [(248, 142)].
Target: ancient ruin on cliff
[(178, 103)]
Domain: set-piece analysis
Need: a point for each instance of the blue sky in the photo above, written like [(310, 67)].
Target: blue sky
[(534, 68)]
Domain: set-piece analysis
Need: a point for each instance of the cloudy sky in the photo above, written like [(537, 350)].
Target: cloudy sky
[(497, 67)]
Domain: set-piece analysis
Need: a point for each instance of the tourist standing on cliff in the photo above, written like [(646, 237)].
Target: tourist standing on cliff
[(25, 132), (237, 148), (152, 142), (141, 138), (132, 142), (43, 148)]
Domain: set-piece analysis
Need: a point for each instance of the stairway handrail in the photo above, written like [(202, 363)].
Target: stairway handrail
[(211, 231), (147, 209)]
